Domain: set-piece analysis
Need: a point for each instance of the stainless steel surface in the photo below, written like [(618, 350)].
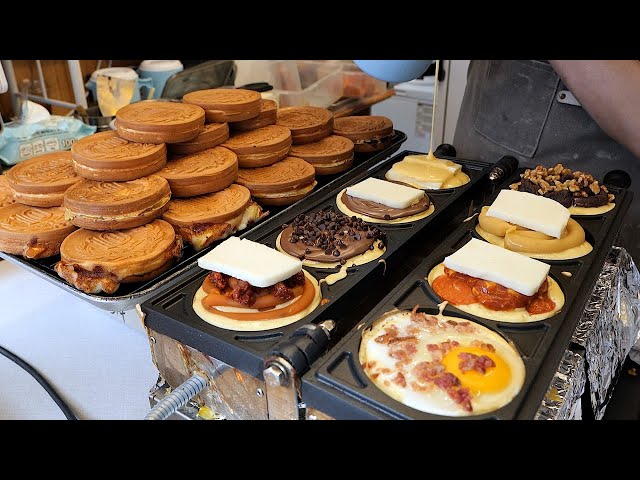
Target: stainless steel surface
[(231, 394), (282, 390), (112, 303), (274, 376), (563, 400), (610, 325)]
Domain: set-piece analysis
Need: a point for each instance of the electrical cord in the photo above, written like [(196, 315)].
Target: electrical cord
[(42, 381)]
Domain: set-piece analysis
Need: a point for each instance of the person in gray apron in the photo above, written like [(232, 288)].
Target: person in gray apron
[(522, 108)]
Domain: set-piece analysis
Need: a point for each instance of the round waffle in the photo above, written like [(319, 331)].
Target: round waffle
[(213, 134), (41, 181), (260, 147), (268, 116), (369, 133), (152, 121), (203, 172), (97, 262), (226, 104), (107, 157), (117, 205), (282, 183), (333, 154), (307, 124), (32, 232)]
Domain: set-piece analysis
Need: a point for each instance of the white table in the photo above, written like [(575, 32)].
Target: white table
[(100, 365)]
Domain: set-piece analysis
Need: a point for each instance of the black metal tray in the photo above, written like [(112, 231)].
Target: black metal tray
[(338, 386), (171, 313), (128, 295)]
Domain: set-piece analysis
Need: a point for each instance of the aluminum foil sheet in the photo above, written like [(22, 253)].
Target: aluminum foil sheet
[(563, 398), (610, 324)]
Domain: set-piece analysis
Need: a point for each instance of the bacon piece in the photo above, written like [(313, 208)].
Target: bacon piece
[(423, 320), (447, 380), (462, 397), (403, 348), (296, 280), (400, 380), (439, 350), (484, 346), (243, 293), (469, 361), (465, 327), (218, 280), (448, 345), (390, 332), (427, 371), (402, 363), (281, 291), (413, 330)]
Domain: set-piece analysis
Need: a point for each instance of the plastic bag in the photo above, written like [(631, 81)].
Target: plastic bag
[(20, 142)]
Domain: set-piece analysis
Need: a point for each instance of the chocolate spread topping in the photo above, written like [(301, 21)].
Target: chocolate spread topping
[(328, 236), (378, 210)]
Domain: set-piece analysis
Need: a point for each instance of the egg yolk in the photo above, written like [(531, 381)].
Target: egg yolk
[(493, 380)]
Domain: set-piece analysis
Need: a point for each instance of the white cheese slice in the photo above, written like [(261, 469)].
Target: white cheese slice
[(422, 172), (252, 262), (490, 262), (387, 193), (530, 211)]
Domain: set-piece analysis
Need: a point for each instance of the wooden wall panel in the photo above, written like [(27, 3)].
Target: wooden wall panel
[(56, 77)]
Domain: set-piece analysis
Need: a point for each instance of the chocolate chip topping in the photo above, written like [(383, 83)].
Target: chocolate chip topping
[(329, 236)]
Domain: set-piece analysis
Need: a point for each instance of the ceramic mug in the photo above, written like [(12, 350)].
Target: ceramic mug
[(159, 71), (126, 74)]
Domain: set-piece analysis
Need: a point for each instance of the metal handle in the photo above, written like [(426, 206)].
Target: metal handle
[(286, 362), (503, 168)]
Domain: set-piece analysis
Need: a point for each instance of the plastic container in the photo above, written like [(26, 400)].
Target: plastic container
[(356, 83), (305, 82)]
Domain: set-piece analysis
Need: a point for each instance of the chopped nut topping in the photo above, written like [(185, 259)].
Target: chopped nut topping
[(580, 184)]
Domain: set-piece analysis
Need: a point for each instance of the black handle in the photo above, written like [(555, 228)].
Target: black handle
[(446, 150), (257, 87), (303, 348), (617, 178), (503, 168)]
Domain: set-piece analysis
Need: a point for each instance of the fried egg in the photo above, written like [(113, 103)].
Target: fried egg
[(441, 365)]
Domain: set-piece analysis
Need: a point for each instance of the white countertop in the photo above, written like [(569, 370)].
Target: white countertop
[(100, 365)]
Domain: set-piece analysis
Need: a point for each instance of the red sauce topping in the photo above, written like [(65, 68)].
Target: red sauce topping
[(460, 289)]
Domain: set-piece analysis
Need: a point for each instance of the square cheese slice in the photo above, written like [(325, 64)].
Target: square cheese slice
[(387, 193), (422, 170), (530, 211), (489, 262), (252, 262)]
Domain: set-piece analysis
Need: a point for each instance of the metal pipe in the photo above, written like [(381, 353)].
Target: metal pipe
[(41, 77), (77, 83), (10, 73), (178, 398), (50, 101)]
